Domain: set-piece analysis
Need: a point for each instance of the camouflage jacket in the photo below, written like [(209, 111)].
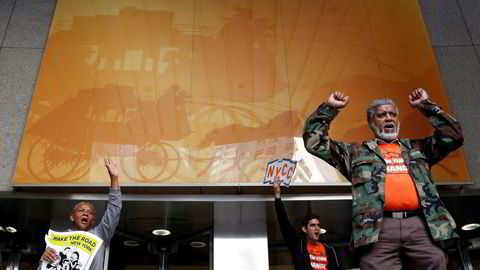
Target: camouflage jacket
[(363, 165)]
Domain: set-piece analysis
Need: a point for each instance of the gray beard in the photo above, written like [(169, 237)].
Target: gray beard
[(386, 136)]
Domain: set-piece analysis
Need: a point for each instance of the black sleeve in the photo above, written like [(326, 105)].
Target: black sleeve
[(332, 258), (288, 233)]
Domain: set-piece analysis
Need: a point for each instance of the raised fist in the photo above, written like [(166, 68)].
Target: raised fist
[(416, 97), (337, 100)]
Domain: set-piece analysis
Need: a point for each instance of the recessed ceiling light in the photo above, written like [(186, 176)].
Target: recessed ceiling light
[(471, 226), (161, 232), (323, 231), (131, 243), (198, 244), (10, 229)]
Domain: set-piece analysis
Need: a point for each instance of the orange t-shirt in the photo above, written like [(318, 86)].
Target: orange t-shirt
[(400, 191), (318, 256)]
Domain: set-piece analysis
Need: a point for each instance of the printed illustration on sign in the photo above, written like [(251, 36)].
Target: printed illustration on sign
[(75, 249)]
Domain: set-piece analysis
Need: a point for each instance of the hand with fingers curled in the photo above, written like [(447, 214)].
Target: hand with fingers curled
[(276, 188), (337, 100), (50, 255), (416, 98)]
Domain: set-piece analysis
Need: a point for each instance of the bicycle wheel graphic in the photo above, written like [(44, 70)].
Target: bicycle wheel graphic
[(53, 162), (154, 162)]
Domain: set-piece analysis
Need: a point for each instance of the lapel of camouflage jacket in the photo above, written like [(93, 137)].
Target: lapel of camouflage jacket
[(372, 145), (406, 148)]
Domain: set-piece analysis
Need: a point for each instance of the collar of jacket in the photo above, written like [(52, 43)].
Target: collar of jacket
[(373, 145)]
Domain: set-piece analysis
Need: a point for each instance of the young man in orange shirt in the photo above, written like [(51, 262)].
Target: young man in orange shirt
[(307, 251)]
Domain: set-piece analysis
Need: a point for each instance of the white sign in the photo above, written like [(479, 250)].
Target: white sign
[(280, 169), (75, 249)]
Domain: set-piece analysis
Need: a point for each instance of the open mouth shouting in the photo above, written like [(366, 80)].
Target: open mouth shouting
[(83, 216), (389, 127), (84, 220)]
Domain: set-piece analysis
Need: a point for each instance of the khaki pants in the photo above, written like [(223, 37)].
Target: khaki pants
[(403, 244)]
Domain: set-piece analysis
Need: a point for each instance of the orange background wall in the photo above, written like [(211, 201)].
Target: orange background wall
[(208, 91)]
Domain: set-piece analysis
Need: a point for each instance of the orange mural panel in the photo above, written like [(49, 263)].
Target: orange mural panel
[(207, 92)]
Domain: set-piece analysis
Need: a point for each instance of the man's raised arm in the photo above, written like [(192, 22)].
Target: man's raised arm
[(315, 134), (108, 224), (288, 233), (448, 134)]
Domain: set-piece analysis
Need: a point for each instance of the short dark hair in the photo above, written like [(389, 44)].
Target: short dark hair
[(78, 254), (309, 217)]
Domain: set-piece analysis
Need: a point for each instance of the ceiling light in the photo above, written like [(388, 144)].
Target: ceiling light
[(1, 229), (323, 231), (161, 232), (10, 229), (131, 243), (471, 226), (198, 244)]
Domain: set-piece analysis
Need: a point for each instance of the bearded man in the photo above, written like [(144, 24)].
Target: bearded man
[(399, 221)]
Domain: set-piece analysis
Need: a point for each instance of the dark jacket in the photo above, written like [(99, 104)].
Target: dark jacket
[(364, 166), (298, 245)]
